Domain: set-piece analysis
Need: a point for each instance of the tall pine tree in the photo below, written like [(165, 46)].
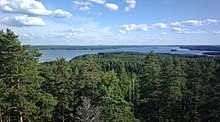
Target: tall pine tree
[(150, 89), (19, 76)]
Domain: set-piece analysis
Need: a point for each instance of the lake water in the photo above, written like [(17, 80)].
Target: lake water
[(50, 55)]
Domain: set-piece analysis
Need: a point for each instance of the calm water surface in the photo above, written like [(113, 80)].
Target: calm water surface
[(49, 55)]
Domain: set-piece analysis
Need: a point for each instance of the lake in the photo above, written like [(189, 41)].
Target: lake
[(50, 55)]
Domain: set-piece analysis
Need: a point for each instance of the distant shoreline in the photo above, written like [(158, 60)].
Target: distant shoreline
[(208, 48), (103, 47), (202, 47), (214, 48), (95, 47), (212, 53)]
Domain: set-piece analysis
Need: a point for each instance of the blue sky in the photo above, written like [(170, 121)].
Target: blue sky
[(113, 22)]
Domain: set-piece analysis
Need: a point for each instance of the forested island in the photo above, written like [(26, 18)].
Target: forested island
[(123, 87), (202, 47), (212, 53), (214, 48)]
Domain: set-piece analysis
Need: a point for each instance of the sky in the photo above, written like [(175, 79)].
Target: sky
[(113, 22)]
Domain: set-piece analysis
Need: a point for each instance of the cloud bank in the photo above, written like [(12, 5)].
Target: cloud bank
[(30, 13), (87, 4), (179, 27), (22, 21), (28, 7)]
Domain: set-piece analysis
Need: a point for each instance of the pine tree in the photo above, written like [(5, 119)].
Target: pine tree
[(89, 76), (124, 83), (150, 89), (173, 84), (20, 76), (58, 83), (115, 108), (194, 79), (208, 93)]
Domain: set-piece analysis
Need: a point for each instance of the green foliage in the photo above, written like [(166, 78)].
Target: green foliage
[(115, 108), (20, 80), (173, 85), (58, 82), (150, 89)]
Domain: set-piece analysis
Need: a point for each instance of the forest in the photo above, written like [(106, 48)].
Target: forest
[(110, 87)]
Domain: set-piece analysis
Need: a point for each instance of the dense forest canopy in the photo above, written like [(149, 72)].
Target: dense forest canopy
[(106, 86)]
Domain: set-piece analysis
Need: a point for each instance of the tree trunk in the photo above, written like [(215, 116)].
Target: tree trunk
[(7, 117), (21, 119), (197, 99), (0, 116), (63, 119)]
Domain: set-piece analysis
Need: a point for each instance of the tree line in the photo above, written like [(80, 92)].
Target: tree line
[(106, 87)]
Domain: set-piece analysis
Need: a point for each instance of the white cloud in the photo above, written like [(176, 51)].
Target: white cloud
[(210, 21), (216, 32), (176, 24), (78, 30), (84, 8), (186, 31), (27, 36), (61, 14), (66, 33), (98, 1), (177, 29), (193, 23), (29, 7), (86, 4), (199, 23), (192, 32), (21, 21), (81, 3), (164, 34), (159, 25), (134, 27), (131, 4), (111, 6), (83, 35), (122, 31)]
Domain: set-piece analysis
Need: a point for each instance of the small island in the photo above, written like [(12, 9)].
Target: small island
[(212, 53), (173, 50)]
